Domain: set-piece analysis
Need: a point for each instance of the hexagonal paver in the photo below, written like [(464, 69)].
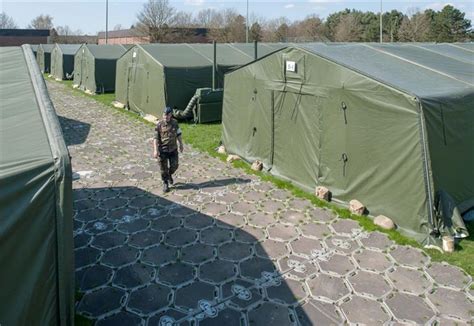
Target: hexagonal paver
[(409, 256), (271, 249), (453, 304), (214, 209), (217, 271), (316, 312), (315, 230), (261, 219), (123, 318), (328, 287), (133, 226), (271, 206), (321, 215), (142, 201), (287, 292), (85, 256), (292, 217), (171, 315), (377, 240), (215, 235), (145, 239), (188, 297), (341, 244), (254, 267), (300, 204), (372, 284), (159, 255), (101, 302), (165, 224), (297, 267), (113, 203), (228, 198), (175, 273), (109, 240), (305, 246), (448, 275), (364, 311), (243, 208), (249, 234), (282, 232), (254, 197), (91, 215), (345, 227), (337, 264), (93, 277), (235, 251), (230, 220), (407, 307), (149, 299), (181, 211), (372, 260), (120, 256), (98, 227), (180, 237), (227, 316), (85, 204), (119, 214), (198, 221), (409, 280), (197, 253), (133, 275), (240, 293), (270, 314)]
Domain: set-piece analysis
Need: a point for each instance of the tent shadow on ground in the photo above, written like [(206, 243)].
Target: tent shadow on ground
[(81, 130), (138, 254)]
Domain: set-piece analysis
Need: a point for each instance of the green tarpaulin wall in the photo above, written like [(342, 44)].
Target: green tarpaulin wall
[(389, 125), (95, 67), (36, 239), (62, 60), (43, 57), (152, 76)]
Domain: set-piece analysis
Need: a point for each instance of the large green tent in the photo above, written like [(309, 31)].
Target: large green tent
[(43, 57), (62, 60), (95, 66), (36, 239), (389, 125), (34, 48), (151, 76)]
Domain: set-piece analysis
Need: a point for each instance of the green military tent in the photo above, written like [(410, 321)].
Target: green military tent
[(389, 125), (34, 48), (62, 60), (152, 76), (95, 66), (36, 239), (43, 57)]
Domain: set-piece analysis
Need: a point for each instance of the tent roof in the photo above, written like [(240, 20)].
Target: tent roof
[(46, 47), (106, 51), (24, 142), (409, 67), (69, 48)]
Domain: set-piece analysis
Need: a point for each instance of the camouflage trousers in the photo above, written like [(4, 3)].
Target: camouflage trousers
[(168, 164)]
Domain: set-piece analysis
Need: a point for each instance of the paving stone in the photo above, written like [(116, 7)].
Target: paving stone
[(315, 230), (133, 275), (198, 221), (261, 219), (217, 271), (93, 277), (282, 232), (171, 315), (175, 274), (123, 318), (86, 256), (188, 297), (142, 201), (133, 226), (215, 235), (254, 267), (249, 234), (226, 317), (243, 208), (113, 203), (230, 221), (321, 215), (297, 267), (372, 284), (292, 217), (165, 224), (409, 256), (254, 197), (372, 260), (159, 255), (287, 292), (409, 280), (337, 264), (316, 312), (377, 240), (341, 244), (102, 301), (150, 298), (453, 303), (82, 240), (197, 253), (98, 227), (227, 198), (145, 239), (235, 251), (271, 249), (305, 246), (119, 214), (180, 237), (89, 215), (364, 311), (84, 204), (300, 204), (214, 209), (271, 206), (280, 194), (271, 314), (240, 293), (120, 256), (407, 307), (448, 275), (328, 287), (345, 227)]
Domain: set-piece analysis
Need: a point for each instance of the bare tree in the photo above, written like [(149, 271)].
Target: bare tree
[(415, 28), (7, 22), (183, 19), (207, 18), (67, 31), (118, 27), (42, 22), (154, 19), (308, 30), (274, 28), (348, 29)]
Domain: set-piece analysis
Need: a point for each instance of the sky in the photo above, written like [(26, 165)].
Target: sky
[(89, 15)]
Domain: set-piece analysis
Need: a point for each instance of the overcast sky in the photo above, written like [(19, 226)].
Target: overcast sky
[(89, 15)]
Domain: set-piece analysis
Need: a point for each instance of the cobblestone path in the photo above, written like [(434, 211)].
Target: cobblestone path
[(226, 249)]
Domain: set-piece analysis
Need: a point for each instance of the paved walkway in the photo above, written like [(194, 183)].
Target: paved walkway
[(225, 248)]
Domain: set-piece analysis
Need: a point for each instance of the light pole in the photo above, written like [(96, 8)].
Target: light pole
[(106, 21), (247, 24), (380, 21)]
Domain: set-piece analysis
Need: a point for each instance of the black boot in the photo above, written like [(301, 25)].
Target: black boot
[(166, 188), (171, 180)]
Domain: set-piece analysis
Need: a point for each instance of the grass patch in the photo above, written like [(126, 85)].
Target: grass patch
[(206, 138)]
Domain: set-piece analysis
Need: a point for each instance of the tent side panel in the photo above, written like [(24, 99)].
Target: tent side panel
[(123, 68), (77, 79)]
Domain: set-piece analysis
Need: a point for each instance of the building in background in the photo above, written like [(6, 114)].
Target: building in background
[(123, 36), (15, 37), (171, 35)]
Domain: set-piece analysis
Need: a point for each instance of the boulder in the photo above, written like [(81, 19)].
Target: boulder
[(232, 158), (356, 207), (322, 193), (221, 149), (384, 222), (257, 166)]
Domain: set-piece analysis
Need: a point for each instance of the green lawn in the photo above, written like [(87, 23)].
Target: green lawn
[(206, 138)]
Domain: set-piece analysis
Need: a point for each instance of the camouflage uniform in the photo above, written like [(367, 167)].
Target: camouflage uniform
[(167, 134)]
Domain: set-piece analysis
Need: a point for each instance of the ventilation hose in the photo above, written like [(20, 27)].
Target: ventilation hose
[(189, 112)]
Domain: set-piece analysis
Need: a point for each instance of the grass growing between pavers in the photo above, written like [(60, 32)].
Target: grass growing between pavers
[(206, 138)]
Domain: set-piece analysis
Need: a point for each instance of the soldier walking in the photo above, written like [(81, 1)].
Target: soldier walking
[(165, 146)]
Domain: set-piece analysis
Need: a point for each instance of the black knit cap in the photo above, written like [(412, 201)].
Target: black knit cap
[(167, 110)]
